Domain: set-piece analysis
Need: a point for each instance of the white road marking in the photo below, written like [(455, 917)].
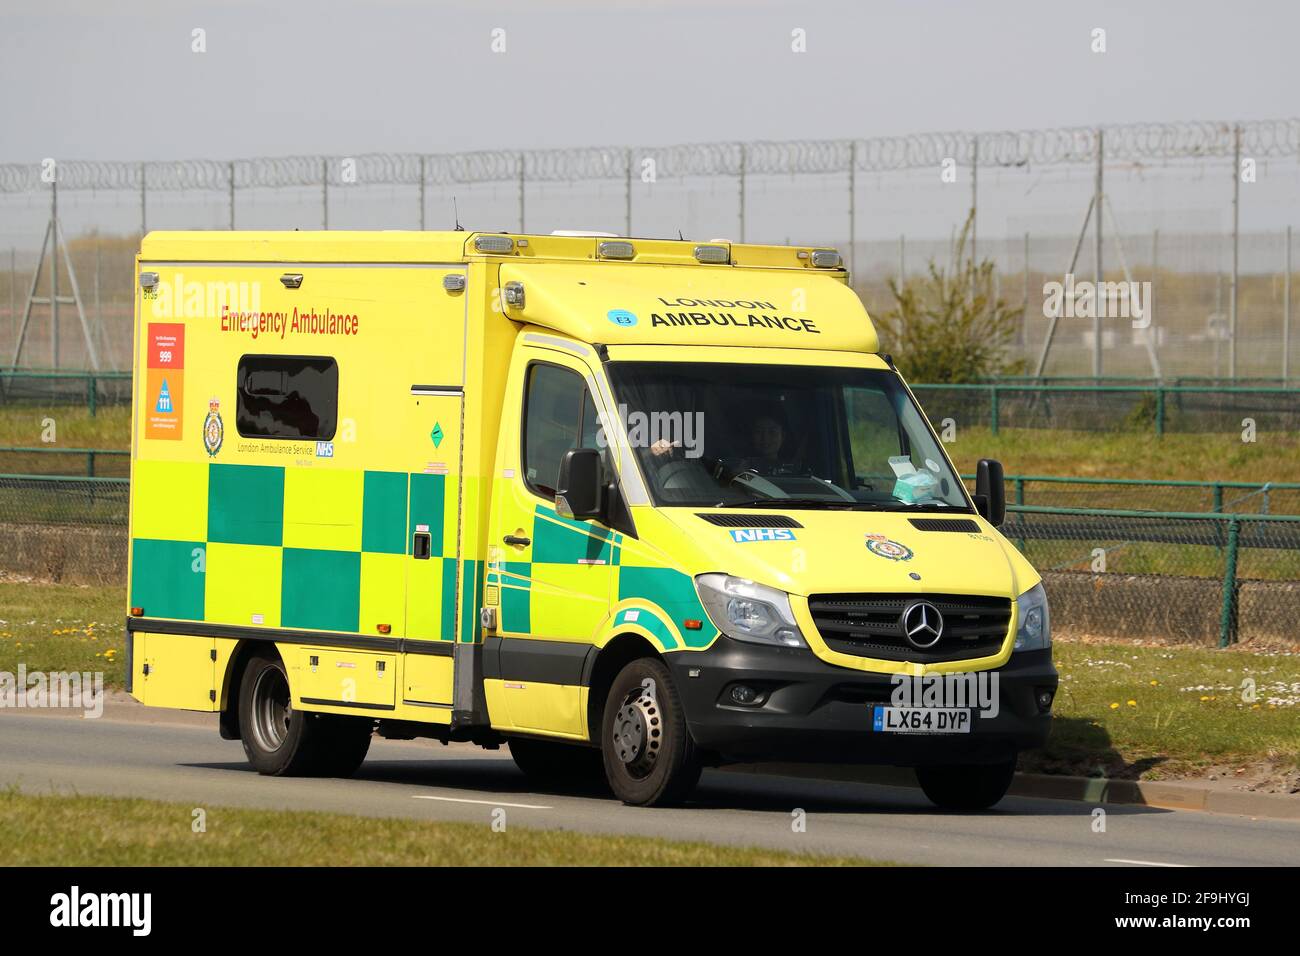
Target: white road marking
[(486, 803), (1149, 863)]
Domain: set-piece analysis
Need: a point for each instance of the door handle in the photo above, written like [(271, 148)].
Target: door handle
[(422, 546), (517, 541)]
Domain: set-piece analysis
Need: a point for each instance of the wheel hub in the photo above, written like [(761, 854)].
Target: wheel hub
[(638, 732), (272, 709)]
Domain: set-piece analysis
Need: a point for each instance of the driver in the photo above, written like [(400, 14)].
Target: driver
[(767, 436), (766, 439)]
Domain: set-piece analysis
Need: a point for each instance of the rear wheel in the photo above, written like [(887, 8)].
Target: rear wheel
[(649, 757), (974, 787), (281, 741), (547, 761)]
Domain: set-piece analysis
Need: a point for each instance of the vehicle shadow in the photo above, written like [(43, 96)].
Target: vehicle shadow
[(1081, 747), (750, 790)]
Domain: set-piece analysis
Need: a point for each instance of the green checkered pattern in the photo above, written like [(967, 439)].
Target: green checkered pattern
[(318, 549)]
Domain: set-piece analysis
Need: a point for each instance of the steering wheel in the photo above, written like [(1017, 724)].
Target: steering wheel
[(675, 470)]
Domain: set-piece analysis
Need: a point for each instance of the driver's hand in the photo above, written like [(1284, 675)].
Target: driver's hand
[(662, 448)]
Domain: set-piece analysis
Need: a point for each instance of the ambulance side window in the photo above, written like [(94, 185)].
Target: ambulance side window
[(558, 415), (287, 396)]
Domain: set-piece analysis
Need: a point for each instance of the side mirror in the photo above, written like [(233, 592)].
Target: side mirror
[(990, 491), (580, 493)]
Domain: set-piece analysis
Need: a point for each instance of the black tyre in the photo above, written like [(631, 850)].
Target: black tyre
[(650, 759), (550, 762), (283, 742), (973, 787), (343, 743)]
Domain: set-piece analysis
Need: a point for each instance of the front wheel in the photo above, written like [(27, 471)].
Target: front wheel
[(975, 787), (650, 759)]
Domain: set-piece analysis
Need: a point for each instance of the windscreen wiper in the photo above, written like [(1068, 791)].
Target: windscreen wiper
[(931, 506), (778, 503)]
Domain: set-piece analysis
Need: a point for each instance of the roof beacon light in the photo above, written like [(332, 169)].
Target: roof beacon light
[(615, 250), (494, 244), (826, 259), (715, 254)]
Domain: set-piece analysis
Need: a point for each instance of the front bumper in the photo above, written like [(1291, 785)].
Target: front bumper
[(812, 711)]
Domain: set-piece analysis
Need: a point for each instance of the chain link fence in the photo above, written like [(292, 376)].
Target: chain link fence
[(1202, 578), (1202, 210), (1142, 494), (1140, 408), (63, 500), (996, 405)]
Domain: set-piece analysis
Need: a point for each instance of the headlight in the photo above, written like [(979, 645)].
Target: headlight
[(1035, 629), (748, 611)]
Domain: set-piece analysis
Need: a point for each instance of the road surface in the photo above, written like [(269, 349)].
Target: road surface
[(170, 756)]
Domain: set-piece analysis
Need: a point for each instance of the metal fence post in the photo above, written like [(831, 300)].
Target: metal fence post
[(1236, 234), (993, 409), (741, 196), (1097, 200), (90, 394), (522, 209), (1226, 628), (627, 197), (1286, 312), (974, 195), (1218, 498), (1160, 411), (422, 194), (853, 218)]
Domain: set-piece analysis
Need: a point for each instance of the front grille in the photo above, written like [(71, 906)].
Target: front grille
[(870, 625)]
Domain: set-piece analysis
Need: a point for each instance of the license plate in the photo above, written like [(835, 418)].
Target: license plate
[(921, 720)]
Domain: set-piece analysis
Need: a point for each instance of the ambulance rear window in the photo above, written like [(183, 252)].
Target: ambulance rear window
[(287, 396)]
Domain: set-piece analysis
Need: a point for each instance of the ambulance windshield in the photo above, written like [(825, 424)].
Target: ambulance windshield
[(733, 435)]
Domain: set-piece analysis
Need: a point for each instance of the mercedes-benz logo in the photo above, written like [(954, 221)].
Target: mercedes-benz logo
[(922, 625)]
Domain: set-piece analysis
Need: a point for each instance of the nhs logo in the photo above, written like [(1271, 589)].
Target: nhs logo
[(744, 535), (324, 449)]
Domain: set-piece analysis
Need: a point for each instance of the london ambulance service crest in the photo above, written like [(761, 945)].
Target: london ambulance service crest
[(214, 432), (883, 547)]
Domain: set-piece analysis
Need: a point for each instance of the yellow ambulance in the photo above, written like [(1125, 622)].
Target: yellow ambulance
[(632, 507)]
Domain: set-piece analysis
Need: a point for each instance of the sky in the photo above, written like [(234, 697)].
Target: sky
[(121, 80)]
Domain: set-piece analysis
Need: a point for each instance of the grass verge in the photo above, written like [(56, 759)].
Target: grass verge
[(1162, 712), (1130, 454), (103, 831), (60, 627)]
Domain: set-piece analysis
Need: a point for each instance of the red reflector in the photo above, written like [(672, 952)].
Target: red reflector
[(692, 624), (137, 612), (385, 628)]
